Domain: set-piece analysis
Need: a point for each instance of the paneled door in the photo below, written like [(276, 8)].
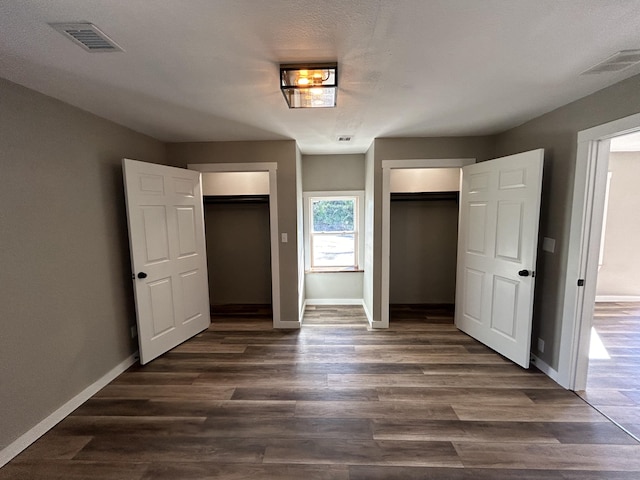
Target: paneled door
[(168, 257), (497, 248)]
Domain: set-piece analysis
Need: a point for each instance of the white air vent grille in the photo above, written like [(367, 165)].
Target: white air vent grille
[(88, 36), (615, 63), (344, 138)]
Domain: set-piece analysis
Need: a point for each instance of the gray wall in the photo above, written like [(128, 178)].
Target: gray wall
[(327, 173), (67, 298), (556, 132), (480, 148), (332, 172), (238, 252), (423, 244), (621, 260), (284, 152)]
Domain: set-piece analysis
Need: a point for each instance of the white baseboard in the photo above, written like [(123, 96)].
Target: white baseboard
[(301, 313), (545, 368), (617, 298), (22, 442), (367, 313), (333, 301), (287, 324)]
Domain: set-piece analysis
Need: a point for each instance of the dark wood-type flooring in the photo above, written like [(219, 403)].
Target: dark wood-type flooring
[(333, 401), (613, 385)]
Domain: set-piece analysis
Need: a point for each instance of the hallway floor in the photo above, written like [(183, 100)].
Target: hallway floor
[(613, 385)]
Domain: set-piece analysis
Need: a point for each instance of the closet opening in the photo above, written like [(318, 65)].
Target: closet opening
[(238, 255), (422, 260)]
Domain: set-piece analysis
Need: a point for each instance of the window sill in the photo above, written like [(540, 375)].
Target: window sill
[(334, 270)]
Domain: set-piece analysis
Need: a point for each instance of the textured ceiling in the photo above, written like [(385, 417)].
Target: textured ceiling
[(207, 70)]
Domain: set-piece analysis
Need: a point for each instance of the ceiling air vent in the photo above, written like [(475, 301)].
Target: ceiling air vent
[(88, 36), (616, 62), (344, 138)]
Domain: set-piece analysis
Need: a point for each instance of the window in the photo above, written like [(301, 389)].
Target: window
[(333, 225)]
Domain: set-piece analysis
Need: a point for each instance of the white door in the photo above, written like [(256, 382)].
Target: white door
[(497, 247), (168, 257)]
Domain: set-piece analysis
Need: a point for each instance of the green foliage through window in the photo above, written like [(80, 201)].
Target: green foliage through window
[(333, 215)]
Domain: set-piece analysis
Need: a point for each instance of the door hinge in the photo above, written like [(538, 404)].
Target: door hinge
[(581, 282)]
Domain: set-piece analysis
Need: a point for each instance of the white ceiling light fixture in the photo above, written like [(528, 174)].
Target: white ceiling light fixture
[(309, 85), (88, 36)]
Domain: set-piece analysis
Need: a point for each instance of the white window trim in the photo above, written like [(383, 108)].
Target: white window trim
[(307, 196)]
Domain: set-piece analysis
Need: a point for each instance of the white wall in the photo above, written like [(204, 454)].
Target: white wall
[(619, 275), (411, 180), (334, 286), (235, 183)]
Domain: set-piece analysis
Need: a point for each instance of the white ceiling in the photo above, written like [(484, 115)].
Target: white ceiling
[(207, 70)]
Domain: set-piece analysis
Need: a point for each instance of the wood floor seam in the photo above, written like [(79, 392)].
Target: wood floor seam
[(337, 401)]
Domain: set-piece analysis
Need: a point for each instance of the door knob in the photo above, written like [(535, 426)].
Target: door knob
[(142, 275), (523, 273)]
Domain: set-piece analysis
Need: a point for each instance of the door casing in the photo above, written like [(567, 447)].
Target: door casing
[(387, 166), (584, 248), (272, 168)]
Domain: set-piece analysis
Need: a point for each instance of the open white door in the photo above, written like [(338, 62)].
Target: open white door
[(168, 257), (497, 248)]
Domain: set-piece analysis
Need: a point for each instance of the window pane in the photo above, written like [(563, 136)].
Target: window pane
[(333, 215), (334, 250)]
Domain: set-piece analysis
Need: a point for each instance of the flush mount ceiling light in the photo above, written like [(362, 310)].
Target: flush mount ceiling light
[(309, 85)]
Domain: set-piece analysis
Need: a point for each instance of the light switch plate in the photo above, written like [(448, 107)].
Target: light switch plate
[(548, 244), (284, 237)]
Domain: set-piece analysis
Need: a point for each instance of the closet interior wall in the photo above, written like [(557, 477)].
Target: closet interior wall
[(238, 250), (424, 238)]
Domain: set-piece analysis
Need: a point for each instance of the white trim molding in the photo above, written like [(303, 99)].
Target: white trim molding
[(287, 325), (22, 442), (544, 368), (387, 165), (617, 298), (272, 168), (234, 167), (360, 225), (334, 301), (583, 247), (367, 313)]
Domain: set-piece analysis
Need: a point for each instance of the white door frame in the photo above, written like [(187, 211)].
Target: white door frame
[(585, 233), (387, 166), (272, 168)]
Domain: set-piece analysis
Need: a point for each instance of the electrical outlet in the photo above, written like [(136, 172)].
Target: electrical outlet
[(541, 345), (134, 331)]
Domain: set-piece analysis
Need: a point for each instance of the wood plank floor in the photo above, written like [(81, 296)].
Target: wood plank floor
[(333, 401), (613, 385)]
